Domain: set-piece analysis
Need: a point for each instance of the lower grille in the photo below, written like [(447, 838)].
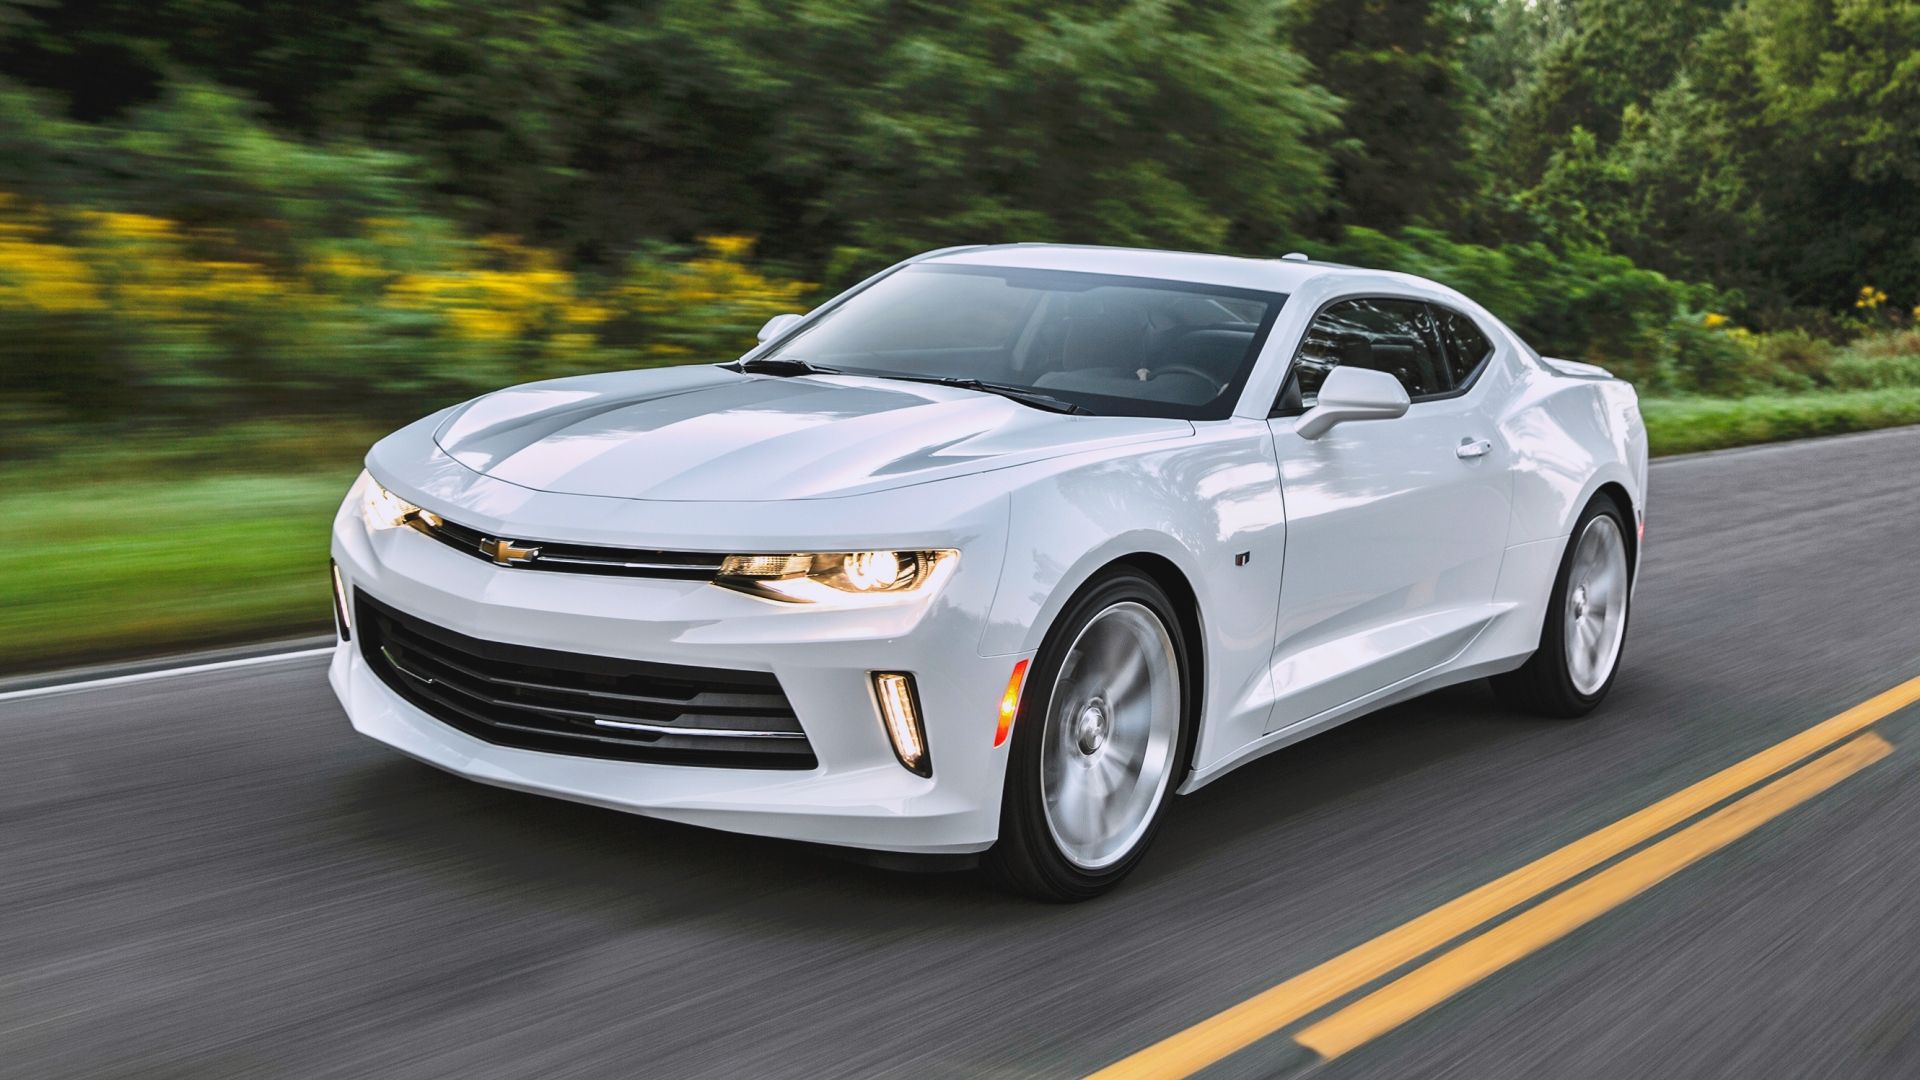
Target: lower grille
[(586, 706)]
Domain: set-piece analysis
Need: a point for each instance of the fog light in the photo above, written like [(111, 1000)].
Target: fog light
[(900, 713), (340, 620)]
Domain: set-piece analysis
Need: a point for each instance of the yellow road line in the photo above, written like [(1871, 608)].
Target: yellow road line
[(1556, 917), (1259, 1016)]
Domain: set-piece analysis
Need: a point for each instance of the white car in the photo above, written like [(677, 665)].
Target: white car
[(993, 552)]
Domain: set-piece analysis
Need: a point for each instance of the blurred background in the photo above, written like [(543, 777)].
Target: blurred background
[(241, 240)]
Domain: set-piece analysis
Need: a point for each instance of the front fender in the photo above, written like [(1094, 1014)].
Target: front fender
[(1201, 505)]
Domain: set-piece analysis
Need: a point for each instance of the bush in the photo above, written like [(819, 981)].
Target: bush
[(1582, 305), (1681, 425), (1709, 360), (1794, 359), (1666, 336), (113, 315), (1879, 361)]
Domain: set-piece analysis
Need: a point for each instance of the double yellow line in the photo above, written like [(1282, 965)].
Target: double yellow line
[(1426, 986)]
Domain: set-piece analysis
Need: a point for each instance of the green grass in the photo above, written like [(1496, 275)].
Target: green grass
[(133, 565), (1682, 425), (222, 539)]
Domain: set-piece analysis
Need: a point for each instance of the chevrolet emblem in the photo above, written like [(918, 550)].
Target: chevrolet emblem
[(505, 553)]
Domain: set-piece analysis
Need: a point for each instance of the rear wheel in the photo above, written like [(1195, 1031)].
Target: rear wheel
[(1586, 625), (1097, 743)]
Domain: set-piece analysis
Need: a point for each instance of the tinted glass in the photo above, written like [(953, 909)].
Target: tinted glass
[(1467, 347), (1114, 345), (1394, 336)]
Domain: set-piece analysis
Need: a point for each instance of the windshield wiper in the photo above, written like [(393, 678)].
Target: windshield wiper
[(779, 365), (791, 365), (1023, 395)]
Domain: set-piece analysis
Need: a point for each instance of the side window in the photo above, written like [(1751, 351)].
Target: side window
[(1467, 347), (1394, 336)]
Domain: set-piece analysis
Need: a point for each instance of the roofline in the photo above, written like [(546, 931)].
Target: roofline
[(1129, 247)]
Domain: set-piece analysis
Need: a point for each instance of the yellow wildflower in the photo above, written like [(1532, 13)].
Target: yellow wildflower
[(728, 247), (584, 311), (483, 323), (132, 226), (45, 277), (347, 267)]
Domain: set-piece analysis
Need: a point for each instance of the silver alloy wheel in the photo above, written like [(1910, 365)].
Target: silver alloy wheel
[(1596, 604), (1113, 721)]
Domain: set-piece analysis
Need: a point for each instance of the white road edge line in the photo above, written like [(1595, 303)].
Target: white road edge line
[(163, 673)]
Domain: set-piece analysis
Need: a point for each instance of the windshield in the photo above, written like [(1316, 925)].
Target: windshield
[(1118, 346)]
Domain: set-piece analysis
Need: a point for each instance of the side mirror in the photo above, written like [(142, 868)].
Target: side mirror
[(1352, 394), (776, 326)]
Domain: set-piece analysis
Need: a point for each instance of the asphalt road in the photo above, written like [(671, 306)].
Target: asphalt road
[(212, 875)]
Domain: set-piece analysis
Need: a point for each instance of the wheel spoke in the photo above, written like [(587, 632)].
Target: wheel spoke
[(1112, 727), (1595, 604), (1070, 806), (1130, 678), (1113, 774)]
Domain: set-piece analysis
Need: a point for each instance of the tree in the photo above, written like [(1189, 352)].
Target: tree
[(1402, 153), (1774, 149), (896, 125), (1615, 53)]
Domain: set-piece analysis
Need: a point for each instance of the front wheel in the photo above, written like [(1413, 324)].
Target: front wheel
[(1096, 744), (1586, 624)]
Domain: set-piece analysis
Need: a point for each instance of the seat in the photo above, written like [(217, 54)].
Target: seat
[(1404, 359)]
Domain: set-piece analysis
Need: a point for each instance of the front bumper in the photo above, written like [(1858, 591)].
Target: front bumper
[(857, 794)]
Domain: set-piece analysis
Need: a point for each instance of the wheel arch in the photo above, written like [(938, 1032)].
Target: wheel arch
[(1186, 605), (1202, 516), (1616, 492)]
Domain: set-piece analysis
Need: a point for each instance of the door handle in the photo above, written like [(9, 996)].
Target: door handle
[(1472, 448)]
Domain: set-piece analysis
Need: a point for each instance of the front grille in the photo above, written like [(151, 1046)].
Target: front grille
[(587, 706), (576, 558)]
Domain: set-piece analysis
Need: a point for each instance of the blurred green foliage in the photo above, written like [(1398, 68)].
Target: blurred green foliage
[(212, 210), (1771, 147), (238, 240), (176, 562), (1688, 424), (134, 317)]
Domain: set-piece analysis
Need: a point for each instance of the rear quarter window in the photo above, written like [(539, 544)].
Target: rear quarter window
[(1467, 347)]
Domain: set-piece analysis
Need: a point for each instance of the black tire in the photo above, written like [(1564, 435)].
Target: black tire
[(1544, 685), (1027, 857)]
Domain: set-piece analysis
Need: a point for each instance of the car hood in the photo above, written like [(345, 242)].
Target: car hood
[(709, 434)]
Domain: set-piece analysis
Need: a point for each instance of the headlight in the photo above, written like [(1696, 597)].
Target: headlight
[(835, 577), (382, 509)]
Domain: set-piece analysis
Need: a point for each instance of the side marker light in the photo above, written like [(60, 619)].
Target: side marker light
[(1010, 703)]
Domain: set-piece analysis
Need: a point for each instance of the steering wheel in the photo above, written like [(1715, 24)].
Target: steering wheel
[(1189, 369)]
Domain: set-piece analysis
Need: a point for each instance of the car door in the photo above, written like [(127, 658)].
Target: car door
[(1395, 527)]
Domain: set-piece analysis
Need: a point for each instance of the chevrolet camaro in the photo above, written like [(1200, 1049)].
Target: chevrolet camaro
[(994, 553)]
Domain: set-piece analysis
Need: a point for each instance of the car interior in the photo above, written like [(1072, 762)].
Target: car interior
[(1121, 342), (1088, 338), (1393, 336)]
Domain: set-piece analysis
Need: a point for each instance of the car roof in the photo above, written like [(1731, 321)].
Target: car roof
[(1233, 271)]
